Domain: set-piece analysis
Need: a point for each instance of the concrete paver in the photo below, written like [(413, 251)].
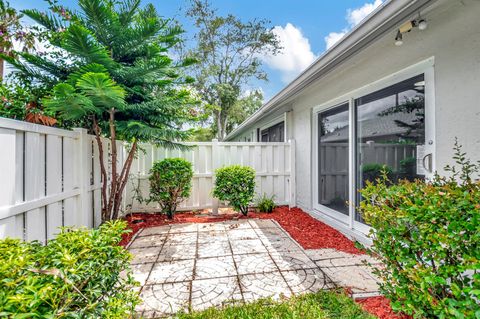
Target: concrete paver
[(196, 266)]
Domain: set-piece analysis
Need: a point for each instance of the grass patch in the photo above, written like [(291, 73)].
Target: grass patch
[(321, 305)]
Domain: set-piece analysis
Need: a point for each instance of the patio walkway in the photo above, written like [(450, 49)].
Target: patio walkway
[(196, 266)]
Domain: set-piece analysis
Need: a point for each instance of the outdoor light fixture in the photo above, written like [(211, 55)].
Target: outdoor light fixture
[(419, 23), (422, 25), (399, 39)]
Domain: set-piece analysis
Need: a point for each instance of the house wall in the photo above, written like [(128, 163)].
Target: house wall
[(453, 39)]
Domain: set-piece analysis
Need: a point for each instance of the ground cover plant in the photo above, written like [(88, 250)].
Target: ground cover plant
[(427, 236), (265, 204), (80, 274), (170, 183), (236, 185), (321, 305)]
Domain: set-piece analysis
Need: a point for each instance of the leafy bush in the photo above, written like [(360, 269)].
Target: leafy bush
[(427, 234), (266, 204), (235, 184), (80, 274), (170, 183)]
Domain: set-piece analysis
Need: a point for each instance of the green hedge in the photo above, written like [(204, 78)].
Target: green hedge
[(235, 184), (76, 275), (427, 234), (170, 183)]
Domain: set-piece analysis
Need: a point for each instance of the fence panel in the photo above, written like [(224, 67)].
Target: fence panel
[(271, 161), (51, 177), (44, 171)]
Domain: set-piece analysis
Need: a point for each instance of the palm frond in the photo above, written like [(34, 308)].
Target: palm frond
[(102, 90), (92, 67), (98, 16), (69, 104), (47, 20), (128, 10), (80, 41)]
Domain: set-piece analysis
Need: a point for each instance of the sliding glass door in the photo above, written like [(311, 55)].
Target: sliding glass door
[(333, 165), (377, 128), (390, 133)]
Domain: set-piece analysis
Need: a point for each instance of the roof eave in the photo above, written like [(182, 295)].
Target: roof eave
[(382, 20)]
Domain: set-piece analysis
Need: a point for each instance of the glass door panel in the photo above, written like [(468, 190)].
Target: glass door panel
[(390, 133), (333, 154)]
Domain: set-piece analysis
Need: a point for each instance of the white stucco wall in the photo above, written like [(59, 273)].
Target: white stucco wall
[(453, 39)]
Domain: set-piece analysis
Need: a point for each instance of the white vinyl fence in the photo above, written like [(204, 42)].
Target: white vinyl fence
[(51, 177), (272, 162)]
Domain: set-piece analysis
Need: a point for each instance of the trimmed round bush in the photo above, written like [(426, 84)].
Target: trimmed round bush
[(236, 185), (170, 183), (79, 274)]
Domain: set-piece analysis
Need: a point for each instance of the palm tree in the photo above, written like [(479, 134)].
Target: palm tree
[(116, 79)]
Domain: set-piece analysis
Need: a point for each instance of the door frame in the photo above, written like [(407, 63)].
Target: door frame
[(425, 67)]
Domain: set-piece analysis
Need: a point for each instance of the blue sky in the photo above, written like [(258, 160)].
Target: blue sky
[(305, 27)]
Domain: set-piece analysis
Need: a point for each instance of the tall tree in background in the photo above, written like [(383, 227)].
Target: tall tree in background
[(111, 73), (227, 51)]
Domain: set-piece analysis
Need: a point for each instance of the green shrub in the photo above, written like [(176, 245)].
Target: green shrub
[(170, 183), (80, 274), (266, 204), (235, 184), (427, 234)]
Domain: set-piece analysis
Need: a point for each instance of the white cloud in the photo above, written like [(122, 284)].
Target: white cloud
[(333, 37), (296, 53), (353, 17)]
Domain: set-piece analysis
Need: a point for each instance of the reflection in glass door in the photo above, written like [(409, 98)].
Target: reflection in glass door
[(333, 154), (390, 133)]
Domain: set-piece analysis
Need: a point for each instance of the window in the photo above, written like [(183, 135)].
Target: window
[(275, 133), (390, 130)]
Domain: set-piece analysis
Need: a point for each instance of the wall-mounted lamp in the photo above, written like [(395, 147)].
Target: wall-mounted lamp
[(421, 24), (399, 39)]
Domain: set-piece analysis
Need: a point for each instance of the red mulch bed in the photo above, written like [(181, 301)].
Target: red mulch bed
[(380, 307), (309, 232)]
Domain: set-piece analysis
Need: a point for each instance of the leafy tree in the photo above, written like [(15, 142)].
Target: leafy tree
[(243, 108), (201, 134), (115, 79), (228, 52), (11, 30)]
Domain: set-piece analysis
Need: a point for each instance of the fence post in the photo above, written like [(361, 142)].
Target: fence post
[(293, 191), (82, 177), (215, 165)]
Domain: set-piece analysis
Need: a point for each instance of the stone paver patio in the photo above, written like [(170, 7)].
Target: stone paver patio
[(196, 266)]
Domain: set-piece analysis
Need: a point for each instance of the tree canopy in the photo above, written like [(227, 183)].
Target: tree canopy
[(228, 52), (109, 70)]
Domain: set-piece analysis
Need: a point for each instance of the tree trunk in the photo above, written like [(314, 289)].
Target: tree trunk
[(103, 170), (221, 120), (114, 181), (123, 179)]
